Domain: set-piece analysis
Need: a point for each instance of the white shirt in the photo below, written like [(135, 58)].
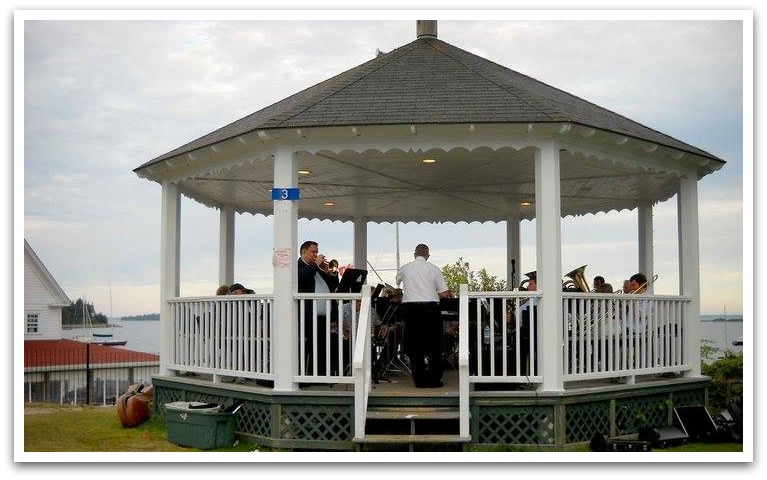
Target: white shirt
[(422, 281), (643, 310), (320, 287)]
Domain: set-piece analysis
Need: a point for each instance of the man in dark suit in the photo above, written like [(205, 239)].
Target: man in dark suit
[(313, 279)]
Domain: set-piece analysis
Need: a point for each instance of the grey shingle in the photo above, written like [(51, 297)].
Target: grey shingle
[(431, 81)]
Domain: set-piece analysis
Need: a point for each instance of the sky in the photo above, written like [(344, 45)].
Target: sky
[(102, 94)]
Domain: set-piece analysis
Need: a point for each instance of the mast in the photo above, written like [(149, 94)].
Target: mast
[(396, 236)]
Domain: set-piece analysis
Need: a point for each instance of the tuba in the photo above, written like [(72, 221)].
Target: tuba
[(530, 276), (577, 282)]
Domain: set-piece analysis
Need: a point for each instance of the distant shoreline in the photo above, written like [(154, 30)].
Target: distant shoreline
[(141, 318), (100, 325)]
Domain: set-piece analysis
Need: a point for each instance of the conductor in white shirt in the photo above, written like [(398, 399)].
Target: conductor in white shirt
[(423, 285)]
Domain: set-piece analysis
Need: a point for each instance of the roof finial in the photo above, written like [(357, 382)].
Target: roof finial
[(426, 28)]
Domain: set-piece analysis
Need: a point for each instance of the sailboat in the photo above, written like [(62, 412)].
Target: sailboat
[(97, 338)]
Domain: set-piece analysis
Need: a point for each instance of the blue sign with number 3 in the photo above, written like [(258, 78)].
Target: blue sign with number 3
[(285, 194)]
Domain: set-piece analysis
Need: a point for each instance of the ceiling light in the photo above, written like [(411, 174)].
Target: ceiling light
[(428, 160), (526, 204), (328, 204), (304, 172)]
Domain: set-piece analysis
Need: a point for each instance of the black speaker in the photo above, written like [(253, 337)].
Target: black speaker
[(696, 422), (662, 437), (600, 443)]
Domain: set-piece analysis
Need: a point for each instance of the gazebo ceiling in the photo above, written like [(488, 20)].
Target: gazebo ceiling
[(363, 135)]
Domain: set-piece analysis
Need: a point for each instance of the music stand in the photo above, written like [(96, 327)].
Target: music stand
[(377, 291), (352, 281), (391, 357)]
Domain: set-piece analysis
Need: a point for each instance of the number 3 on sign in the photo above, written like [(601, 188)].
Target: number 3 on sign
[(285, 194)]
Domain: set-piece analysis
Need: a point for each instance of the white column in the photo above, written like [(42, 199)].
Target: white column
[(170, 260), (549, 265), (645, 233), (513, 247), (361, 243), (689, 269), (285, 256), (226, 245)]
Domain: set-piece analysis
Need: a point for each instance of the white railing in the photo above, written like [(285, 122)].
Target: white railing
[(362, 365), (327, 332), (606, 335), (501, 338), (223, 335), (463, 362), (603, 336)]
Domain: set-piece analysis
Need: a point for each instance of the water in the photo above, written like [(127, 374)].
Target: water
[(722, 334), (144, 336)]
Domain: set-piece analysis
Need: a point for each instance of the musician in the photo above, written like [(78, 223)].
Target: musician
[(637, 284), (600, 286), (331, 270), (349, 321), (387, 331), (313, 279), (529, 309), (423, 285)]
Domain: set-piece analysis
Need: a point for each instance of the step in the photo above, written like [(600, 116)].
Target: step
[(412, 414), (404, 438)]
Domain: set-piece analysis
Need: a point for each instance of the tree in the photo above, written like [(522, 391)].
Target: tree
[(73, 314), (726, 379), (460, 272)]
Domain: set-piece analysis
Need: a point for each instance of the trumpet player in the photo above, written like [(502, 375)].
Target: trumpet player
[(313, 279)]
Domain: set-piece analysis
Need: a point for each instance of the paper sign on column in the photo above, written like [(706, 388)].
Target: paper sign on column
[(282, 257)]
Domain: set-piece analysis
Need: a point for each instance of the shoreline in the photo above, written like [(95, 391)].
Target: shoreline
[(78, 327)]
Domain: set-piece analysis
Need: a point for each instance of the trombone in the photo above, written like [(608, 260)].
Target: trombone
[(645, 284)]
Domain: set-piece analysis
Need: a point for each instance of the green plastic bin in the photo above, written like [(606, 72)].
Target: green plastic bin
[(200, 425)]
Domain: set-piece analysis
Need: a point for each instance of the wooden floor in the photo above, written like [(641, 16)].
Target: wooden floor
[(400, 384)]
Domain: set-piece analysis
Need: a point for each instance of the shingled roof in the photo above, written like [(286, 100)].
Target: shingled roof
[(429, 81)]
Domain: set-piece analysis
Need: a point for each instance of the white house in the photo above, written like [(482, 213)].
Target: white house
[(43, 299)]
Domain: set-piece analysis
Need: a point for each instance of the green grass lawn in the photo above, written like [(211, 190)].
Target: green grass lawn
[(64, 428)]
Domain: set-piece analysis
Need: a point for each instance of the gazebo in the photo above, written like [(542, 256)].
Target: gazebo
[(431, 133)]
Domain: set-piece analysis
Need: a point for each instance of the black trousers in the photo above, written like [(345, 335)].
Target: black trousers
[(423, 342), (321, 346)]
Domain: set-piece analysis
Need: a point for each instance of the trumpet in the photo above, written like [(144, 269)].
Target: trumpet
[(328, 266)]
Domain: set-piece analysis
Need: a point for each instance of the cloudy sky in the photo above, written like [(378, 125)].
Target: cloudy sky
[(101, 97)]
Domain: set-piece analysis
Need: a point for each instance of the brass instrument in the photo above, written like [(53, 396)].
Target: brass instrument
[(649, 282), (644, 285), (530, 276), (577, 282), (328, 266)]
